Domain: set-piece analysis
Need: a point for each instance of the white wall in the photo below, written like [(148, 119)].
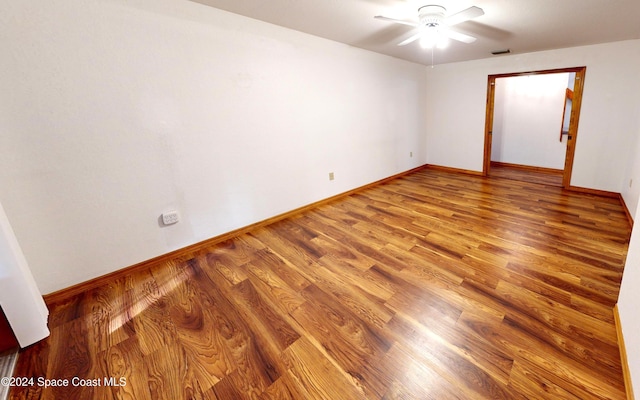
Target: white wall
[(456, 109), (528, 119), (628, 305), (114, 111), (629, 301), (631, 184)]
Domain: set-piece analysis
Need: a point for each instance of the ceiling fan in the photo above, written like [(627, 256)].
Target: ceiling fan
[(433, 25)]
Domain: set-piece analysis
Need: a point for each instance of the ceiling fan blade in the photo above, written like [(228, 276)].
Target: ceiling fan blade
[(464, 15), (412, 38), (461, 37), (397, 21)]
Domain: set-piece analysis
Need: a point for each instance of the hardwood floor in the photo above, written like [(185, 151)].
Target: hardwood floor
[(436, 285), (526, 174)]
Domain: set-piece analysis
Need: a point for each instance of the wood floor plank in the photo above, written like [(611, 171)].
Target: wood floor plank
[(434, 351), (167, 373), (355, 345), (285, 297), (368, 307), (523, 345), (152, 316), (534, 383), (435, 285), (124, 361), (417, 380), (264, 319), (313, 376)]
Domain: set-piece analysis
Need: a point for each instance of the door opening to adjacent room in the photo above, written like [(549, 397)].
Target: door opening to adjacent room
[(532, 124)]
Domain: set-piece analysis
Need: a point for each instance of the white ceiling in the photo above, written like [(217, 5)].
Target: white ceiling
[(520, 25)]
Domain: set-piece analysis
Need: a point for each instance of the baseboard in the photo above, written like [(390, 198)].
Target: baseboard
[(451, 169), (188, 251), (626, 210), (623, 355), (526, 167), (596, 192), (604, 193)]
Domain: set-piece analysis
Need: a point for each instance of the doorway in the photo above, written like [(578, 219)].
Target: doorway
[(567, 130)]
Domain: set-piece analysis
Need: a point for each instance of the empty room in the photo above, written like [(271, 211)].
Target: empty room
[(354, 199)]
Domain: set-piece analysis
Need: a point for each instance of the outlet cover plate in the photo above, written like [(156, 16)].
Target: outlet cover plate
[(170, 217)]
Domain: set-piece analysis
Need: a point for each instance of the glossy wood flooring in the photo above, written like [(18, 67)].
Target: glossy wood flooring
[(545, 177), (435, 285)]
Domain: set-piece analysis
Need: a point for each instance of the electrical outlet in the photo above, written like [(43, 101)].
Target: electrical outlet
[(331, 176), (170, 217)]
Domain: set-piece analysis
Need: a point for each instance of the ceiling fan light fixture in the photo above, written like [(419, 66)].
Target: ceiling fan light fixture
[(432, 37), (431, 16), (429, 39), (433, 26)]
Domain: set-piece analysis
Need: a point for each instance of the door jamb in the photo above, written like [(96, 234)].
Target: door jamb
[(573, 124)]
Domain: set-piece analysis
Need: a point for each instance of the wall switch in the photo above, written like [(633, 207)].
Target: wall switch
[(170, 217), (331, 176), (411, 154), (630, 182)]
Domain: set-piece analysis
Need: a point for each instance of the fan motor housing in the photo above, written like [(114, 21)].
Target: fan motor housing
[(431, 16)]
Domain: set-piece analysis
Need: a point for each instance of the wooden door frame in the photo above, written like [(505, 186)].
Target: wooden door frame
[(573, 124)]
